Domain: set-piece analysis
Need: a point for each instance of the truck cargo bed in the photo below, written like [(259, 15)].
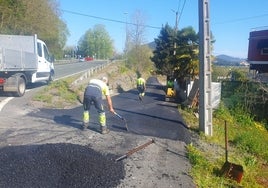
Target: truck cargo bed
[(18, 53), (14, 60)]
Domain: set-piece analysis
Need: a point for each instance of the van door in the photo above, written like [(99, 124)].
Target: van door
[(43, 60)]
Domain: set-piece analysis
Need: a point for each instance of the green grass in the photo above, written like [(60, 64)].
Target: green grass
[(247, 147), (57, 94), (247, 141)]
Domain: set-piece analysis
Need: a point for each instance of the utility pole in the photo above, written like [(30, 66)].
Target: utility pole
[(176, 29), (126, 40), (176, 23), (205, 90)]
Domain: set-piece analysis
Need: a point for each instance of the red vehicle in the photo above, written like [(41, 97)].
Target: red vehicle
[(258, 50), (88, 58)]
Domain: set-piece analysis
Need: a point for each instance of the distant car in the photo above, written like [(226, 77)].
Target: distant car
[(88, 58), (81, 59)]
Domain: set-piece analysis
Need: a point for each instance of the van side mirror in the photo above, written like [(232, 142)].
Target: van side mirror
[(51, 58)]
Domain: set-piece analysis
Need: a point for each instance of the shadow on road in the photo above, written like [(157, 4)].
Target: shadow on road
[(151, 117)]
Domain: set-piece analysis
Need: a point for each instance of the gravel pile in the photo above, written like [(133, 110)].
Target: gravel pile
[(58, 165)]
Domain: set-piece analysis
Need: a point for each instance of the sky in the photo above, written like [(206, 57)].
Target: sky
[(230, 20)]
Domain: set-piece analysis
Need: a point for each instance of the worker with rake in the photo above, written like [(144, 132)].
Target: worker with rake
[(96, 89)]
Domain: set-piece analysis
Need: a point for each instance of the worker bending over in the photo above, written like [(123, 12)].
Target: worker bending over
[(93, 95)]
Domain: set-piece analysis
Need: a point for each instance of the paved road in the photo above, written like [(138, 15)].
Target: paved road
[(152, 116), (61, 71), (46, 148), (68, 69)]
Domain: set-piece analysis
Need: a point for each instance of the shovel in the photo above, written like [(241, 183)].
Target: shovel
[(123, 119), (230, 170)]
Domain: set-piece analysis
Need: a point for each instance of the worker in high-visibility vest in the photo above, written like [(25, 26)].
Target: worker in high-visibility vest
[(93, 95), (141, 87)]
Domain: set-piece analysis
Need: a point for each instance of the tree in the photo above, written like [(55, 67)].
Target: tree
[(28, 17), (163, 54), (186, 58), (11, 14), (138, 56), (139, 59), (137, 30), (70, 52), (179, 61), (96, 43)]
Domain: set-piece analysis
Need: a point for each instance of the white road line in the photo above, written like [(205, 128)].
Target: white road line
[(4, 102)]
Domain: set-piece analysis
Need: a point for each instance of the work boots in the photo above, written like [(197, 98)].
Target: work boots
[(104, 130), (84, 126)]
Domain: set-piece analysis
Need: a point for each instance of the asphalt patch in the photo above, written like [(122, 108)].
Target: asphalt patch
[(58, 165)]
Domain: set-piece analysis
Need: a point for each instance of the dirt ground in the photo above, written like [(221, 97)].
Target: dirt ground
[(119, 81)]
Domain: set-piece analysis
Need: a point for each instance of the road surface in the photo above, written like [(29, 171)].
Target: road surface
[(47, 148)]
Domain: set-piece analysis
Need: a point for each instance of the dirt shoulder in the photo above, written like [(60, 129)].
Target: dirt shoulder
[(120, 79)]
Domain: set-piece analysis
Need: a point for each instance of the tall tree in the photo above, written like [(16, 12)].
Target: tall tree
[(138, 56), (186, 57), (180, 60), (137, 29), (11, 14), (41, 17), (96, 43), (163, 54)]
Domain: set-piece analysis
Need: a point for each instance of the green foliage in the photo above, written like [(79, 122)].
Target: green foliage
[(195, 157), (247, 147), (225, 73), (43, 98), (189, 117), (123, 69), (139, 59), (176, 54), (251, 97), (28, 17), (164, 52), (57, 95), (238, 75), (252, 134), (252, 142), (204, 171), (12, 13), (96, 43)]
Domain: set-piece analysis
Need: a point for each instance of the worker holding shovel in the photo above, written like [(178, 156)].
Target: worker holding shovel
[(93, 95)]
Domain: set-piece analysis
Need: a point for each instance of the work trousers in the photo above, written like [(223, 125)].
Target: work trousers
[(141, 90), (98, 103)]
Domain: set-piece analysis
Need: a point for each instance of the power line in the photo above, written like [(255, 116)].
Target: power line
[(241, 19), (108, 19), (181, 10)]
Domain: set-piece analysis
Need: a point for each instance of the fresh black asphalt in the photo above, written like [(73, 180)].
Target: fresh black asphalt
[(152, 116)]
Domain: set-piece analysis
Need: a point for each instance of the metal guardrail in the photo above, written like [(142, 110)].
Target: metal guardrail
[(64, 61), (90, 72)]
